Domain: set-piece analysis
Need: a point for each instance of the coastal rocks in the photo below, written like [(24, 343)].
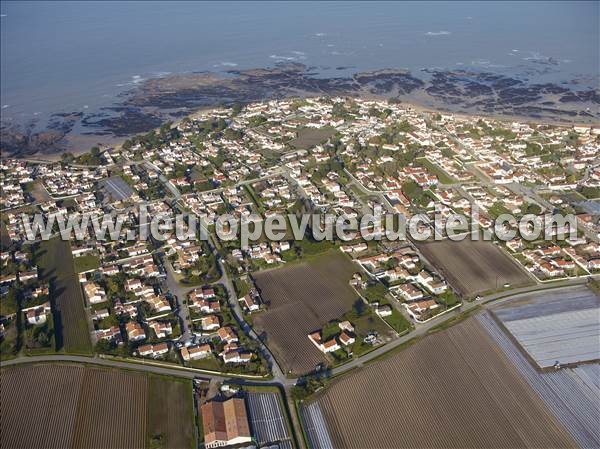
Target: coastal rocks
[(14, 142), (31, 140), (156, 100)]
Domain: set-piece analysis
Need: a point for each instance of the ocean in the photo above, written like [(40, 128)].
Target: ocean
[(64, 57)]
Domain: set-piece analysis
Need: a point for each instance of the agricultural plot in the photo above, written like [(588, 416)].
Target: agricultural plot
[(453, 389), (169, 406), (70, 319), (72, 406), (474, 267), (110, 410), (310, 137), (267, 418), (555, 327), (301, 298), (573, 394), (39, 406), (315, 427), (117, 188)]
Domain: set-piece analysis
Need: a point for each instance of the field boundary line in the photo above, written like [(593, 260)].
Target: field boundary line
[(182, 368)]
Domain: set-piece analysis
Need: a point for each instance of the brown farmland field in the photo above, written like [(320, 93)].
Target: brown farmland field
[(39, 406), (301, 298), (310, 137), (474, 267), (72, 406), (111, 410), (70, 318), (164, 418), (453, 389)]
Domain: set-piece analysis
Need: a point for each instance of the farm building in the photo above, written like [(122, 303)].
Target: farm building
[(225, 423)]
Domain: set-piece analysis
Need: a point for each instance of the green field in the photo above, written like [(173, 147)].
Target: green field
[(310, 137), (85, 263), (170, 413), (70, 319), (209, 363), (397, 321)]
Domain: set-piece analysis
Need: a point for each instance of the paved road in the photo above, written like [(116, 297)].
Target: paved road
[(180, 292), (422, 329), (149, 367), (234, 304), (280, 379), (239, 316)]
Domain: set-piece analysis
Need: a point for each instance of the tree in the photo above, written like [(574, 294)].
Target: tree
[(236, 108), (43, 338), (411, 189), (533, 209), (306, 386), (391, 263), (104, 345), (375, 293), (359, 307), (67, 157)]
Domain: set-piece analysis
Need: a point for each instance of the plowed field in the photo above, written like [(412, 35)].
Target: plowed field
[(453, 389), (474, 267), (72, 406), (302, 298)]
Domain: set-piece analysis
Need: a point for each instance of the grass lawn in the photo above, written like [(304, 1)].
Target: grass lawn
[(368, 323), (34, 343), (209, 363), (86, 263), (8, 349), (397, 321), (5, 240), (8, 304), (498, 209)]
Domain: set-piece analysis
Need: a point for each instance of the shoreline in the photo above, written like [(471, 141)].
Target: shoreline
[(172, 98), (55, 157)]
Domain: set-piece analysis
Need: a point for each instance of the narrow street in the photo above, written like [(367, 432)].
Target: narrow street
[(237, 311), (180, 294)]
